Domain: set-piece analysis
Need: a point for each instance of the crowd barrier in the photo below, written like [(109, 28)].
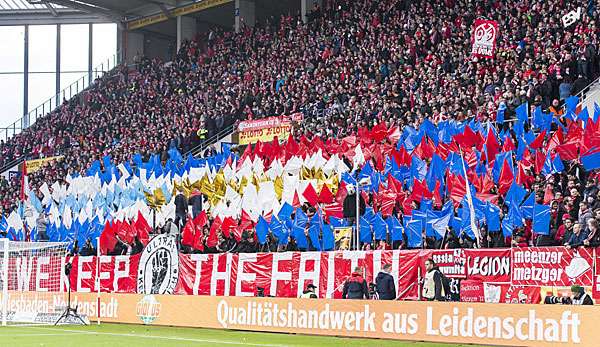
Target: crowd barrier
[(473, 323), (516, 275)]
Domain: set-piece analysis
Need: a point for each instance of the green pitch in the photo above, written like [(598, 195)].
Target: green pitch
[(114, 335)]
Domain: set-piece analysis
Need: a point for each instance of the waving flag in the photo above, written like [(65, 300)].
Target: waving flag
[(541, 219)]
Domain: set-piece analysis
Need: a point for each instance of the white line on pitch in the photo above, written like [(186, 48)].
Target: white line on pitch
[(25, 335), (173, 338)]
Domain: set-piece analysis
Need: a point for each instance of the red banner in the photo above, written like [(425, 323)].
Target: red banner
[(288, 274), (471, 291), (451, 262), (160, 269), (488, 265), (483, 38), (551, 266), (596, 286)]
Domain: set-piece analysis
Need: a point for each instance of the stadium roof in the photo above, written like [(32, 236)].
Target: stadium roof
[(26, 6), (19, 12)]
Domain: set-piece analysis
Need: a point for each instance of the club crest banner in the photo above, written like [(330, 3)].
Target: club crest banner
[(483, 39)]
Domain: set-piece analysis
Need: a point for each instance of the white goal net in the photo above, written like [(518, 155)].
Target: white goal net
[(32, 281)]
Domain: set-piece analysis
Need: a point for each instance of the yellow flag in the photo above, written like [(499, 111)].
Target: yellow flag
[(278, 187)]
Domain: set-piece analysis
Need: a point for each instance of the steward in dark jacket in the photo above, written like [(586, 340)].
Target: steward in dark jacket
[(385, 284), (356, 287)]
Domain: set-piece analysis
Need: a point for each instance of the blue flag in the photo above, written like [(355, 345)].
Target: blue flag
[(583, 115), (418, 168), (439, 223), (522, 112), (314, 230), (298, 229), (527, 206), (492, 217), (596, 112), (395, 228), (515, 194), (413, 232), (379, 227), (541, 219), (279, 230), (285, 212), (366, 234), (328, 238), (591, 161), (571, 103), (262, 229), (338, 222)]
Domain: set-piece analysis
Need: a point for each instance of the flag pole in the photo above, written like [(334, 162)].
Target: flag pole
[(357, 231), (98, 278), (444, 238), (470, 203)]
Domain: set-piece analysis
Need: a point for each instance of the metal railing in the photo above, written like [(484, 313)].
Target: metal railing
[(212, 140), (56, 100)]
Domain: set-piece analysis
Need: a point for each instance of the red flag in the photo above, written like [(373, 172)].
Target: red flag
[(228, 224), (487, 184), (508, 145), (213, 238), (394, 134), (539, 140), (506, 178), (388, 201), (198, 241), (574, 133), (108, 241), (341, 193), (457, 188), (540, 158), (568, 151), (187, 235), (325, 196), (295, 201), (333, 210), (143, 229), (201, 219), (555, 140), (379, 132), (245, 217), (291, 146), (420, 190), (127, 233), (244, 225), (491, 143), (521, 175), (311, 195), (437, 197), (493, 198)]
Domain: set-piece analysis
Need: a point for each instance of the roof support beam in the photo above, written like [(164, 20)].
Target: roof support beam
[(112, 15), (51, 9)]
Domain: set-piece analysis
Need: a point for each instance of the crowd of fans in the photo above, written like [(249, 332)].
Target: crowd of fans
[(354, 64)]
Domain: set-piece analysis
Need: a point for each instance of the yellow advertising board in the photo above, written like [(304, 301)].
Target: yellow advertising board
[(264, 130), (35, 165), (180, 11), (473, 323)]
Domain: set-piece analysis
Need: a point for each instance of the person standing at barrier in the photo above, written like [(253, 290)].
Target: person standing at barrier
[(181, 210), (433, 284), (355, 286), (579, 296), (386, 289), (309, 292)]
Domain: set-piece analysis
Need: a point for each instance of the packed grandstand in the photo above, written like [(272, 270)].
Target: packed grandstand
[(445, 149)]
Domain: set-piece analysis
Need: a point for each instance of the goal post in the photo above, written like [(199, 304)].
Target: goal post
[(31, 281)]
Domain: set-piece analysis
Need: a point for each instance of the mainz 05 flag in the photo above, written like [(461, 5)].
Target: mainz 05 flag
[(484, 37)]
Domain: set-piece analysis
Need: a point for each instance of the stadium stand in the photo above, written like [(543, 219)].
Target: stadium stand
[(396, 77)]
